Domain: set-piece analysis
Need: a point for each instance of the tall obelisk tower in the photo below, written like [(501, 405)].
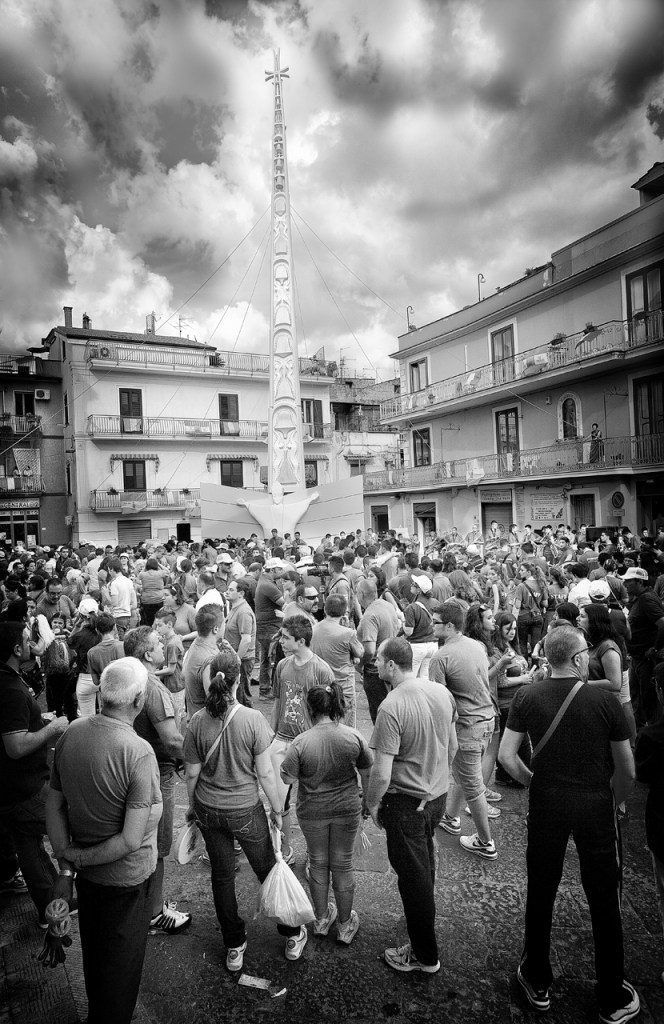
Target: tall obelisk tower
[(286, 451)]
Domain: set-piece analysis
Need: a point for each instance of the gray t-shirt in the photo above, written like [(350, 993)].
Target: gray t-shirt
[(198, 657), (241, 620), (291, 682), (324, 760), (228, 781), (102, 768), (414, 724), (463, 666), (337, 645), (379, 622)]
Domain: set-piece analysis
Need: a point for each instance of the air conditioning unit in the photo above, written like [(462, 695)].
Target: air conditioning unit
[(42, 395)]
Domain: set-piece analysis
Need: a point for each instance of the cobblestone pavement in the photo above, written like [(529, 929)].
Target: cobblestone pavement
[(480, 918)]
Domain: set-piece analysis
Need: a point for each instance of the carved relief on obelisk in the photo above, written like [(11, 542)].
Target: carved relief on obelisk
[(285, 452)]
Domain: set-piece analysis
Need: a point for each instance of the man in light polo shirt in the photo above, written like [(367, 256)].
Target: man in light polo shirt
[(117, 596)]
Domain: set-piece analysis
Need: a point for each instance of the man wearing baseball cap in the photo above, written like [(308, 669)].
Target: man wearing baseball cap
[(646, 622), (418, 626)]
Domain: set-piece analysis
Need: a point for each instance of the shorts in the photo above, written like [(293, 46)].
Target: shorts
[(473, 742)]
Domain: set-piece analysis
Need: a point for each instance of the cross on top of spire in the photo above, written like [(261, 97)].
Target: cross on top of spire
[(277, 72)]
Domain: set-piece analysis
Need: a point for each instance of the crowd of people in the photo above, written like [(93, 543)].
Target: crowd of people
[(473, 655)]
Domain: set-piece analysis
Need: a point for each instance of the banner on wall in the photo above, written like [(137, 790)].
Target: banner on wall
[(547, 508), (491, 495)]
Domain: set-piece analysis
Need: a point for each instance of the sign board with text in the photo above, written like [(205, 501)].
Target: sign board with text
[(547, 508)]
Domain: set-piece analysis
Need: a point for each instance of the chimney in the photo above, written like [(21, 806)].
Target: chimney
[(68, 312), (150, 323), (87, 322)]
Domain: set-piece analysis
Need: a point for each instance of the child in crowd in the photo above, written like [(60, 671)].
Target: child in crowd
[(171, 674)]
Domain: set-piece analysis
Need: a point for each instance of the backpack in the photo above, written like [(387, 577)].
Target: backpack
[(56, 659)]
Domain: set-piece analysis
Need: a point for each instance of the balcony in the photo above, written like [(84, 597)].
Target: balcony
[(128, 502), (316, 431), (19, 425), (569, 458), (169, 427), (560, 359), (355, 423), (21, 484), (154, 358)]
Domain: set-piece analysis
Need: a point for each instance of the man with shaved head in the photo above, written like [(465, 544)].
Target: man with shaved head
[(102, 813)]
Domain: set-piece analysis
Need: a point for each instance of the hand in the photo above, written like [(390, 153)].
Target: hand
[(73, 854), (59, 725), (63, 888), (190, 815), (374, 811), (276, 818)]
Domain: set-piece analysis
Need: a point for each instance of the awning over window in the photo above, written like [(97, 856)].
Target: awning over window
[(230, 457), (136, 457)]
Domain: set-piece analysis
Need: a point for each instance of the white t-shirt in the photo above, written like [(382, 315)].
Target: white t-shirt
[(122, 593)]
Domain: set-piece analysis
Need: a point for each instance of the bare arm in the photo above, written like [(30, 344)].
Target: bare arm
[(509, 756), (624, 772), (612, 666), (57, 826), (268, 781), (245, 645), (191, 772), (379, 780), (369, 651), (170, 736), (115, 848), (20, 744)]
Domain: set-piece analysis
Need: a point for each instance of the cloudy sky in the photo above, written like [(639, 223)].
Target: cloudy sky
[(429, 141)]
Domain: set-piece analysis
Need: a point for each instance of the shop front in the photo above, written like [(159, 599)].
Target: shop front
[(19, 521)]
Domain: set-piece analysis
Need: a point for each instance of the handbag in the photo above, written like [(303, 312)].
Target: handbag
[(556, 722), (535, 612)]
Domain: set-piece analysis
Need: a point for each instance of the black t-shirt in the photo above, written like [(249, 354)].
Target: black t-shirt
[(23, 777), (644, 612), (649, 757), (578, 754)]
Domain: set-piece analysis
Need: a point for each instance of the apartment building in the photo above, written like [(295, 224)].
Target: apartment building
[(32, 458), (150, 417), (502, 403)]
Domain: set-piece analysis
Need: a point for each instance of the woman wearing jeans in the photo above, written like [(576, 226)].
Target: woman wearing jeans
[(224, 800), (325, 760)]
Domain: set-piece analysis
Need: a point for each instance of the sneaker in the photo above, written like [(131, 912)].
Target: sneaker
[(475, 845), (493, 797), (170, 920), (347, 931), (401, 958), (492, 812), (235, 957), (290, 857), (624, 1012), (537, 997), (296, 944), (451, 825), (322, 925), (15, 884), (73, 911)]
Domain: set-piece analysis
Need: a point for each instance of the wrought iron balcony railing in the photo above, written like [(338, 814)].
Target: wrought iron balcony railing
[(26, 483), (179, 360), (19, 424), (569, 351), (136, 501), (174, 426), (568, 457)]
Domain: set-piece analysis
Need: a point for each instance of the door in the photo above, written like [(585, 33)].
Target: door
[(131, 411), (644, 305), (424, 514), (501, 512), (583, 510), (380, 521), (183, 531), (229, 415), (134, 532), (502, 354)]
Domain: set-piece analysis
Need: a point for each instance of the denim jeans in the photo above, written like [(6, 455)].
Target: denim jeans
[(61, 695), (467, 765), (244, 689), (264, 681), (528, 630), (553, 815), (376, 690), (26, 824), (114, 923), (330, 844), (167, 783), (410, 850), (642, 689), (250, 828)]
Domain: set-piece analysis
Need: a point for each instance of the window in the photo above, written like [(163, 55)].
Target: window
[(231, 473), (311, 474), (131, 411), (569, 417), (229, 408), (24, 403), (507, 431), (65, 408), (419, 377), (422, 447), (649, 405), (355, 468), (133, 474), (502, 354), (63, 348), (68, 478), (644, 304), (312, 417)]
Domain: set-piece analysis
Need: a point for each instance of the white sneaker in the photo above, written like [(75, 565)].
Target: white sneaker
[(171, 920), (475, 845), (296, 944), (322, 925), (347, 931), (492, 812), (235, 957)]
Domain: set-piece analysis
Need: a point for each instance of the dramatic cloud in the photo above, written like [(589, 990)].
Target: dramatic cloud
[(428, 142)]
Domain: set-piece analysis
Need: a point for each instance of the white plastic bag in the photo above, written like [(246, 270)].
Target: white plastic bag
[(281, 896)]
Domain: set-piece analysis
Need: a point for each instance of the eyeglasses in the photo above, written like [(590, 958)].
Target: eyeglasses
[(582, 649)]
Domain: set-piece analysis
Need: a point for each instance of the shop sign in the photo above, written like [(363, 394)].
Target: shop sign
[(29, 506), (547, 508), (495, 494)]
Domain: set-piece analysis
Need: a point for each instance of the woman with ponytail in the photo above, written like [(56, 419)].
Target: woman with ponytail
[(226, 753), (325, 760)]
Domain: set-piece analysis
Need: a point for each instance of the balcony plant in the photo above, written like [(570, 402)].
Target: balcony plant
[(185, 490), (158, 490), (559, 338), (112, 490)]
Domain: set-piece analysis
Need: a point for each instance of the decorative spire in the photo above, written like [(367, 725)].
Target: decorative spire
[(285, 452)]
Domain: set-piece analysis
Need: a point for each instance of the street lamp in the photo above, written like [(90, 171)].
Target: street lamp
[(480, 281)]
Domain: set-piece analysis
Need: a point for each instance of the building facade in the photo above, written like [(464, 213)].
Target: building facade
[(33, 504), (151, 417), (502, 404)]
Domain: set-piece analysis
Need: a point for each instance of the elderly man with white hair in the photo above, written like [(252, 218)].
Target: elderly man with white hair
[(102, 813)]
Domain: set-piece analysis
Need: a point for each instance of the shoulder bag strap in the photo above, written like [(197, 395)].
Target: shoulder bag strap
[(533, 595), (233, 711), (424, 608), (556, 722)]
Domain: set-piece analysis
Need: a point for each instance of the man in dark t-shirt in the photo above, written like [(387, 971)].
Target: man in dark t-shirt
[(582, 762), (268, 600), (646, 622)]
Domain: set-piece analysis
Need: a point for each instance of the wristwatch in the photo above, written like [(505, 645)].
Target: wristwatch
[(66, 873)]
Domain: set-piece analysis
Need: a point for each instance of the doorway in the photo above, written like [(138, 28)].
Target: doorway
[(582, 508), (183, 531), (380, 520)]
